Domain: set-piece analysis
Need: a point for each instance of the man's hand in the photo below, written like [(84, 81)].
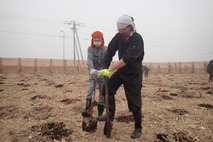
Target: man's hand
[(95, 72), (106, 72)]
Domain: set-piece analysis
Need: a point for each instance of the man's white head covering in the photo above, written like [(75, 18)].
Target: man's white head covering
[(125, 21)]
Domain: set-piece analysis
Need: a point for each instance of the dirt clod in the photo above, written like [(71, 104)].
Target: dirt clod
[(206, 88), (55, 130), (180, 111), (183, 137), (206, 106), (166, 97), (210, 92), (67, 101), (59, 86), (173, 94), (126, 119), (163, 137), (176, 137), (37, 97)]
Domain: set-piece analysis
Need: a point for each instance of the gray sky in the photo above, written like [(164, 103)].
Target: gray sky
[(173, 30)]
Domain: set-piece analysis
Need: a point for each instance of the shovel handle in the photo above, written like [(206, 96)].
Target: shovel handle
[(93, 97), (106, 97)]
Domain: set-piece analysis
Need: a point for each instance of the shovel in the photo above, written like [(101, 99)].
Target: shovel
[(89, 123), (108, 124)]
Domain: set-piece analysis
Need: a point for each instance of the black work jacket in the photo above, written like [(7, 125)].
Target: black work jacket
[(210, 67), (131, 51)]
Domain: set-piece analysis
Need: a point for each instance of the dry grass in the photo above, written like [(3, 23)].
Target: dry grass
[(175, 108)]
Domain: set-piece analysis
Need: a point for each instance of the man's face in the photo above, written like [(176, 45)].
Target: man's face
[(126, 31)]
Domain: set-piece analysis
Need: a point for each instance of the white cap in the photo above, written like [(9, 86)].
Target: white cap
[(125, 21)]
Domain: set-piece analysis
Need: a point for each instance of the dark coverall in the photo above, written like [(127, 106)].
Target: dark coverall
[(130, 75), (210, 70), (145, 70)]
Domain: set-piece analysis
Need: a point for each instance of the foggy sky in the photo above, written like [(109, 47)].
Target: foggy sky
[(173, 30)]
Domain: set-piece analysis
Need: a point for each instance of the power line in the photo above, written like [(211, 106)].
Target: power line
[(55, 21), (30, 18), (48, 20), (34, 34), (171, 41)]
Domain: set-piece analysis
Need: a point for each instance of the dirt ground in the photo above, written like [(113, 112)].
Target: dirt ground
[(39, 107)]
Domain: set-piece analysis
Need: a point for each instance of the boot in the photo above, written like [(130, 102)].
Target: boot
[(137, 133), (111, 110), (138, 128), (100, 110), (101, 118), (87, 109)]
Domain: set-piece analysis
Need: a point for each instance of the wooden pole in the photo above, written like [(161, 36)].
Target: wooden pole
[(180, 67), (64, 65), (19, 64), (1, 68), (35, 65), (50, 65)]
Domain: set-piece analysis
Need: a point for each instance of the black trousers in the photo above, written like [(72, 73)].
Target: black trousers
[(132, 86), (210, 75)]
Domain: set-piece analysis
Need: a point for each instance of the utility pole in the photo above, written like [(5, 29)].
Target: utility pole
[(63, 44), (76, 49), (64, 61)]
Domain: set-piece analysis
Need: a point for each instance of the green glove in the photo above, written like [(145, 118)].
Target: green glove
[(106, 72)]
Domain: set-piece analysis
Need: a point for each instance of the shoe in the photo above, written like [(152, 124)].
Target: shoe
[(101, 118), (86, 113), (104, 118), (137, 133), (87, 109)]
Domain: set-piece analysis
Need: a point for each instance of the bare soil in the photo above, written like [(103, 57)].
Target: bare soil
[(42, 107)]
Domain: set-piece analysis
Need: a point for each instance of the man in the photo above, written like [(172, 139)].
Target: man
[(210, 70), (129, 45), (145, 70), (95, 54)]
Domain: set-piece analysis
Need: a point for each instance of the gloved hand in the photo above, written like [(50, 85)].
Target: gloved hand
[(106, 72), (93, 71)]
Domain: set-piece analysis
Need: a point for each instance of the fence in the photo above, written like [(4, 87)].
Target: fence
[(59, 65), (40, 65), (178, 67)]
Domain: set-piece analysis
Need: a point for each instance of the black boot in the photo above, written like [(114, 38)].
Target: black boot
[(87, 109), (137, 133), (100, 110), (111, 110), (138, 128), (101, 118)]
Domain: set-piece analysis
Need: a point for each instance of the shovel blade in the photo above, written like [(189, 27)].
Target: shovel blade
[(108, 128), (89, 124)]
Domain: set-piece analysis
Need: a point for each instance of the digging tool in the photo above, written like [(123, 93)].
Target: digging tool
[(89, 123), (108, 124)]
